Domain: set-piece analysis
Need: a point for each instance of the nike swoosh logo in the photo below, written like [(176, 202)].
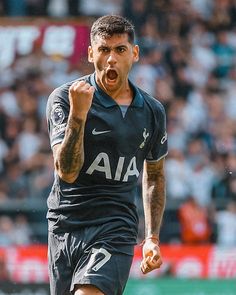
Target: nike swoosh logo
[(94, 132)]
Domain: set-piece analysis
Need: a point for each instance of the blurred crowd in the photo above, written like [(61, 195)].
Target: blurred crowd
[(187, 61)]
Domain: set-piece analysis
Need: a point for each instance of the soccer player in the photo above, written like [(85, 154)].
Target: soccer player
[(103, 131)]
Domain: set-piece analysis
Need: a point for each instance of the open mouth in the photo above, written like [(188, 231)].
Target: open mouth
[(112, 75)]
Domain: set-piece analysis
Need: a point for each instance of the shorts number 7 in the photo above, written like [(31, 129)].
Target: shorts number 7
[(98, 265)]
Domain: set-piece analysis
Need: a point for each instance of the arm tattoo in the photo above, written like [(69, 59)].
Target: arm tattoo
[(70, 156), (154, 197)]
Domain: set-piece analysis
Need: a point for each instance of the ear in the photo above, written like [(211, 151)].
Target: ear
[(90, 54), (135, 53)]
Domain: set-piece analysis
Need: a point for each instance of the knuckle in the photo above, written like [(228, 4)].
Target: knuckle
[(72, 87), (81, 82)]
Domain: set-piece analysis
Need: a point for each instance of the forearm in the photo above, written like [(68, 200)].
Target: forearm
[(154, 198), (69, 157)]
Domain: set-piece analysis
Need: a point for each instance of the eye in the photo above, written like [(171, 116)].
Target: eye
[(104, 49), (121, 49)]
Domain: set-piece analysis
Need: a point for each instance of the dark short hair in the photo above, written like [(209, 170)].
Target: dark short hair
[(108, 25)]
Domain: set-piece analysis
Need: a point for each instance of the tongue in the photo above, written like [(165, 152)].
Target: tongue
[(112, 75)]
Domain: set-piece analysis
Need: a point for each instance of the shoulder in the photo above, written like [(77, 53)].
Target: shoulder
[(58, 100), (60, 94)]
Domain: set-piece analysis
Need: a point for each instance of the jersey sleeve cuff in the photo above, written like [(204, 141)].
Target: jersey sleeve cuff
[(158, 159)]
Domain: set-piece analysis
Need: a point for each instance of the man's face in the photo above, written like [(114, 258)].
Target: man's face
[(112, 58)]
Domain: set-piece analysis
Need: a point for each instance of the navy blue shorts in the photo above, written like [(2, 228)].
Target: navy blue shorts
[(90, 255)]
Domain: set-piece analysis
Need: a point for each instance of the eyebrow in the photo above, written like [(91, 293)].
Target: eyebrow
[(110, 47)]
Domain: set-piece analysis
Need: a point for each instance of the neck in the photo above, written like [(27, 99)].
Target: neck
[(122, 95)]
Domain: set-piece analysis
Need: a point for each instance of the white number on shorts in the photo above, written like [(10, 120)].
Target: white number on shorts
[(98, 265)]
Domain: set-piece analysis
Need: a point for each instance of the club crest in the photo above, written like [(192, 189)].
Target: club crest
[(145, 136)]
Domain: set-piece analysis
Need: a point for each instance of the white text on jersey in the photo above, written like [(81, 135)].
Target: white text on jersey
[(102, 164)]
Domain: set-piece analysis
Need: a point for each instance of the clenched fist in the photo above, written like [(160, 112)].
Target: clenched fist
[(80, 97), (151, 256)]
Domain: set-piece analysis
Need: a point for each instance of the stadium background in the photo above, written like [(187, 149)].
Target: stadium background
[(188, 62)]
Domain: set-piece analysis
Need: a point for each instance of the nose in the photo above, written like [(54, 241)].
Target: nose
[(111, 58)]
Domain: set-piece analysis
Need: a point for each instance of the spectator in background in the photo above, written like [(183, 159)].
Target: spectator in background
[(136, 12), (232, 187), (17, 182), (224, 188), (14, 231), (22, 231), (9, 103), (229, 94), (224, 54), (177, 135), (2, 7), (58, 8), (145, 75), (3, 153), (36, 7), (11, 132), (7, 235), (194, 222), (4, 273), (221, 15), (226, 225), (203, 8), (4, 198), (39, 169), (16, 7), (203, 172), (99, 7), (178, 188), (28, 134)]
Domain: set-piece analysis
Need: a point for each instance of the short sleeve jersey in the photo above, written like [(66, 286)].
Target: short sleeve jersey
[(115, 147)]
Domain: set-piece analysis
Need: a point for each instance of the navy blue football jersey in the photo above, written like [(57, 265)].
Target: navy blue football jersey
[(116, 143)]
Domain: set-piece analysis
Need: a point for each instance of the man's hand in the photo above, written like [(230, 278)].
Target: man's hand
[(80, 97), (151, 256)]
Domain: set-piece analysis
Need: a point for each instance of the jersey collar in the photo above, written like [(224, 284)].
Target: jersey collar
[(107, 101)]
